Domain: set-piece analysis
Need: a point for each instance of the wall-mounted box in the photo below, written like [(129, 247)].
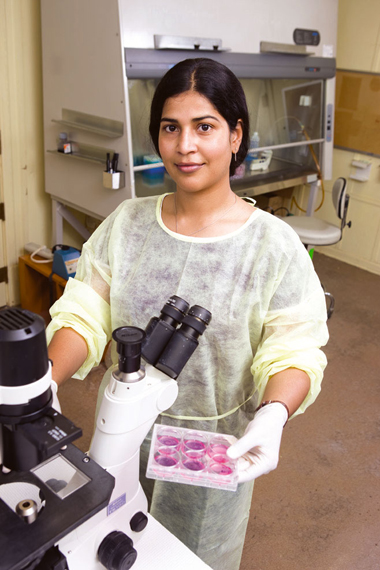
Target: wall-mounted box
[(114, 180)]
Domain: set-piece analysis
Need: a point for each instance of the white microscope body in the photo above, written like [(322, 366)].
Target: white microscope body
[(127, 412), (94, 513)]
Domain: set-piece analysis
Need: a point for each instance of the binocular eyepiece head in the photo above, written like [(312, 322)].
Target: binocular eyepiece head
[(167, 347), (164, 344)]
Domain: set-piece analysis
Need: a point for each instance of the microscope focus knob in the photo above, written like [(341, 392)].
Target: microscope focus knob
[(116, 551), (138, 522)]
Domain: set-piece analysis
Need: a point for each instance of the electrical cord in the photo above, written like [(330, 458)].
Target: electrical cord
[(281, 208), (293, 200), (36, 253)]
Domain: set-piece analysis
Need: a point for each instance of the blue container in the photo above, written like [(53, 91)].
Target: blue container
[(65, 262), (153, 176)]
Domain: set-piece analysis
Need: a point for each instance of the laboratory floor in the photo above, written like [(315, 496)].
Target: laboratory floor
[(319, 510)]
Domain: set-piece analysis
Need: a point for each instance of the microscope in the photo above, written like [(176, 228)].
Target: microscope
[(61, 509)]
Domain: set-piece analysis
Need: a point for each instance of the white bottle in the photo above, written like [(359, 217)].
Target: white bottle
[(63, 144), (255, 143)]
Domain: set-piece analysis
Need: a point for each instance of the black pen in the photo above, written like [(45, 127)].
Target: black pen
[(108, 163), (115, 161)]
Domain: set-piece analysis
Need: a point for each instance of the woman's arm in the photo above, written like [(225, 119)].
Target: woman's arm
[(68, 351), (260, 444), (290, 386)]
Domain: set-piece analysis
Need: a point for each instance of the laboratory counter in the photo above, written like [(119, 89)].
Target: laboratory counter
[(280, 175)]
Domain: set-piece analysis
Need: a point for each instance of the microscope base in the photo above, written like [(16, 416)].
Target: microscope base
[(161, 550)]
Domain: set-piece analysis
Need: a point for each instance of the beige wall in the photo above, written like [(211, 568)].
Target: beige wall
[(27, 208), (358, 49)]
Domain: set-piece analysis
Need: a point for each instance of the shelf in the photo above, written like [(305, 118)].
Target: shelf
[(280, 174), (35, 288), (87, 152), (142, 167), (94, 130), (91, 123), (77, 156), (363, 170)]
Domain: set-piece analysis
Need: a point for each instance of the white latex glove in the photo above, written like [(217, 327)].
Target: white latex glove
[(54, 390), (258, 450)]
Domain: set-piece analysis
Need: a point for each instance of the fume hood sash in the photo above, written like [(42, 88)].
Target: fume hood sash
[(153, 64)]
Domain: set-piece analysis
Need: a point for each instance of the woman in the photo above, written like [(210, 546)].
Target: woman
[(248, 268)]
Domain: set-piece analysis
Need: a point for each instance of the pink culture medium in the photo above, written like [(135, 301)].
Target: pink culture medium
[(165, 460), (195, 444), (194, 465), (168, 440), (221, 469)]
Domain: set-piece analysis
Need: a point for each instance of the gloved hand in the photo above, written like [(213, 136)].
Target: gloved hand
[(258, 450), (54, 390)]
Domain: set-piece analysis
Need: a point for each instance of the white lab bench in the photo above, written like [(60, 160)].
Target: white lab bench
[(158, 549)]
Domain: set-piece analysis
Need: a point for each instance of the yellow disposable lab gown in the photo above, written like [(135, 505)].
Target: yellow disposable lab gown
[(268, 314)]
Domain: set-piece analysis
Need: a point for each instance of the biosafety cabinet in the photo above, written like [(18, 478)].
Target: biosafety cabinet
[(102, 61)]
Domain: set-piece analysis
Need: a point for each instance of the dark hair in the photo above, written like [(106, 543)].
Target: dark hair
[(214, 81)]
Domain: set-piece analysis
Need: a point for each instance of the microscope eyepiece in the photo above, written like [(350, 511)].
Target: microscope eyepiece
[(128, 345), (200, 313), (197, 320), (128, 339), (180, 305), (184, 341), (160, 329)]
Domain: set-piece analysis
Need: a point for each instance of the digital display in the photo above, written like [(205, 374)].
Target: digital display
[(303, 37)]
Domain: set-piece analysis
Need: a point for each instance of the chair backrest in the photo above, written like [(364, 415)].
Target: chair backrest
[(339, 197), (341, 200)]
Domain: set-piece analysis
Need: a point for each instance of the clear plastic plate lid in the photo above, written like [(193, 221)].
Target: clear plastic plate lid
[(192, 457)]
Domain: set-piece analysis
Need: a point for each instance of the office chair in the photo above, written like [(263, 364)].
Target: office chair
[(313, 231)]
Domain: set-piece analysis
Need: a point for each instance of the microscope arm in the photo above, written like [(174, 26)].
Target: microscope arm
[(127, 412)]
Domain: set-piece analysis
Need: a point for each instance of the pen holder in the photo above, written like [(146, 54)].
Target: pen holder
[(113, 180)]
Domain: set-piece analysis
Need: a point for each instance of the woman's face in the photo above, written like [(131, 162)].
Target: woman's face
[(195, 142)]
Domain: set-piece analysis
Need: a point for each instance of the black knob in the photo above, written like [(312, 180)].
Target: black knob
[(138, 522), (128, 345), (116, 551)]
